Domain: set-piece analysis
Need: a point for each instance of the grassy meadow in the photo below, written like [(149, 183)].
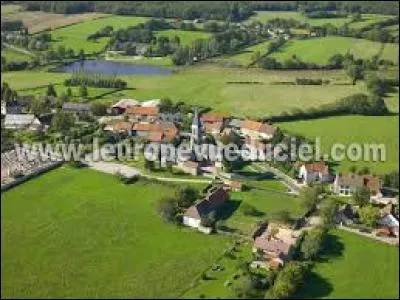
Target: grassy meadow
[(209, 86), (244, 56), (264, 16), (91, 236), (14, 55), (354, 267), (268, 197), (186, 37), (10, 9), (75, 36), (319, 50), (350, 129)]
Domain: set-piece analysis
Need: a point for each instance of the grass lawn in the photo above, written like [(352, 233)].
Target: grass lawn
[(186, 37), (319, 50), (264, 16), (216, 286), (79, 233), (358, 129), (165, 61), (391, 52), (75, 36), (354, 267), (14, 55), (208, 85), (268, 197)]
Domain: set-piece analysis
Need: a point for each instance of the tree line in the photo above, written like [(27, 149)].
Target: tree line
[(82, 78)]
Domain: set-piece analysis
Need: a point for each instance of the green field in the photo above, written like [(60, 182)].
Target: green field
[(368, 19), (244, 56), (319, 50), (10, 9), (350, 129), (75, 36), (14, 55), (186, 37), (354, 267), (78, 233), (268, 197), (207, 86), (264, 16)]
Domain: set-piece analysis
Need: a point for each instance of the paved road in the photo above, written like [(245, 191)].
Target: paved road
[(127, 171)]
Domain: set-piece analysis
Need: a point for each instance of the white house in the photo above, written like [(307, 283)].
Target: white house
[(314, 173), (347, 184), (22, 121)]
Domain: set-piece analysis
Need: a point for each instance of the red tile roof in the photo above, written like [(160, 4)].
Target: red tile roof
[(320, 167), (155, 137), (143, 111), (258, 126), (122, 126)]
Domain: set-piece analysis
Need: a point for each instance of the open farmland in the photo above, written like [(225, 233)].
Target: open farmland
[(15, 55), (75, 36), (354, 267), (10, 9), (92, 236), (350, 129), (39, 21), (264, 16), (186, 37), (369, 19), (209, 86), (243, 57), (319, 50)]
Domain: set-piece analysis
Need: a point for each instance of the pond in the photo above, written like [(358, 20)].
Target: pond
[(114, 68)]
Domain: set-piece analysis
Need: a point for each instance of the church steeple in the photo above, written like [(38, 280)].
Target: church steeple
[(195, 138)]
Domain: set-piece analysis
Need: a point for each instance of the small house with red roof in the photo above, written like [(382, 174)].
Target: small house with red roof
[(317, 172)]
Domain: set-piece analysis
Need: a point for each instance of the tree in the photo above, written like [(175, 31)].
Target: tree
[(310, 197), (328, 213), (369, 215), (282, 216), (355, 72), (288, 280), (62, 122), (37, 106), (99, 109), (209, 219), (81, 54), (168, 209), (69, 92), (83, 92), (312, 243), (51, 91), (361, 196), (186, 196)]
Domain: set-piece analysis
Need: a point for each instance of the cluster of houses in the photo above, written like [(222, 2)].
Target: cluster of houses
[(343, 184)]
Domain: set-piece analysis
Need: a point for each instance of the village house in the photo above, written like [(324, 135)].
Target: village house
[(23, 122), (345, 215), (189, 167), (274, 245), (257, 130), (77, 108), (391, 222), (347, 184), (120, 127), (213, 123), (139, 113), (216, 198), (317, 172), (121, 106)]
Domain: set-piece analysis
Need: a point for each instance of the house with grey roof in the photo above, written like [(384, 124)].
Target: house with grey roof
[(216, 197), (77, 108), (22, 121)]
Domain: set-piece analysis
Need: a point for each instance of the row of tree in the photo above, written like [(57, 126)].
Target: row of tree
[(80, 78)]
